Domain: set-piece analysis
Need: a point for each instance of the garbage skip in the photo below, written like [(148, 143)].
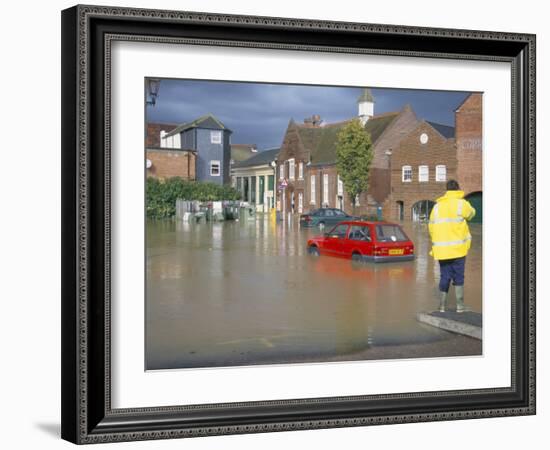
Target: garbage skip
[(246, 213)]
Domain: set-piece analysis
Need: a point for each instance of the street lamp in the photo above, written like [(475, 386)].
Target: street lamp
[(153, 86)]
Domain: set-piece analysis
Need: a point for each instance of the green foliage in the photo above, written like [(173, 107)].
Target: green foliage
[(354, 154), (161, 195)]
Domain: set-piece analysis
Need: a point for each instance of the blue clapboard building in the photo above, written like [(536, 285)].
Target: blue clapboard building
[(210, 140)]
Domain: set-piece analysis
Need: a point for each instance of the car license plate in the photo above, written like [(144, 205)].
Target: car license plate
[(396, 251)]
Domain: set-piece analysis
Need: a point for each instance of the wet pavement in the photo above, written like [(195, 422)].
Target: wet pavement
[(241, 293)]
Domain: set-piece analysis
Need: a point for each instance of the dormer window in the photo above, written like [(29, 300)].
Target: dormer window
[(215, 137)]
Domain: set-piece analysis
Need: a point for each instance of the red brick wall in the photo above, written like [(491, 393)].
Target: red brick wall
[(469, 123), (293, 148), (411, 152), (365, 207), (171, 163), (152, 137), (403, 124)]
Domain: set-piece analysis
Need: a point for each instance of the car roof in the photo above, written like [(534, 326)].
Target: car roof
[(367, 222)]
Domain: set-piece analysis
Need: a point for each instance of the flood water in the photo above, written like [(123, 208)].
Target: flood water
[(241, 293)]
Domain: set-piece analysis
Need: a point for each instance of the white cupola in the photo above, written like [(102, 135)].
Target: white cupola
[(365, 104)]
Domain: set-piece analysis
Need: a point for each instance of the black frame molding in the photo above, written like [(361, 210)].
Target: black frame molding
[(87, 32)]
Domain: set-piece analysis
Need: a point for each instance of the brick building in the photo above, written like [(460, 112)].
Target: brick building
[(420, 167), (469, 124), (162, 162), (166, 163), (432, 154), (307, 160)]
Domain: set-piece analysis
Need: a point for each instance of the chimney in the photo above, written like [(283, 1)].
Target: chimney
[(313, 121)]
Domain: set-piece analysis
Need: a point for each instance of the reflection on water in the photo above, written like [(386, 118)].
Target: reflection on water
[(239, 293)]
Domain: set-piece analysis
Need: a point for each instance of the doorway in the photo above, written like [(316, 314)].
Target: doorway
[(421, 210), (400, 210)]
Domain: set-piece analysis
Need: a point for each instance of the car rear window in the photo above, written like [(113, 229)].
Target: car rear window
[(390, 233), (338, 212)]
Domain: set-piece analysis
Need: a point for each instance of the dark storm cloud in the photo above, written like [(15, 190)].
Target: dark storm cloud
[(259, 113)]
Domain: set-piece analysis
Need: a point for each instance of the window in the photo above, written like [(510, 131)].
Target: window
[(300, 202), (312, 193), (291, 169), (339, 231), (325, 189), (440, 173), (357, 200), (282, 172), (215, 170), (340, 187), (423, 174), (300, 170), (359, 233), (215, 137), (406, 174), (390, 233)]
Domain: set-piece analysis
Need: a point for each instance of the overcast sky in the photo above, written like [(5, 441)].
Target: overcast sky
[(259, 113)]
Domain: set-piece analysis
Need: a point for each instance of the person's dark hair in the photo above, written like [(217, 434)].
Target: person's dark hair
[(452, 185)]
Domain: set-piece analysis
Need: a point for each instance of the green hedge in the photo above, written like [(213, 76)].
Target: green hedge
[(161, 195)]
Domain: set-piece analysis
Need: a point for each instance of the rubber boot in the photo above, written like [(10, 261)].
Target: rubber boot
[(443, 302), (459, 293)]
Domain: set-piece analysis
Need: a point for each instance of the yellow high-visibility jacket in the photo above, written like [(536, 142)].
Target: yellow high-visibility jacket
[(448, 228)]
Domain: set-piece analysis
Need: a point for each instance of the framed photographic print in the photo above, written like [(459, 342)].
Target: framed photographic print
[(277, 224)]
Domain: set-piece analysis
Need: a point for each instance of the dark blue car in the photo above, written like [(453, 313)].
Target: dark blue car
[(323, 217)]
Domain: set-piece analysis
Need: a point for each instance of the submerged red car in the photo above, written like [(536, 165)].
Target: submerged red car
[(364, 241)]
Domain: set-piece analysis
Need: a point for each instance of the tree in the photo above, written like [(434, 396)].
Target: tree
[(354, 154)]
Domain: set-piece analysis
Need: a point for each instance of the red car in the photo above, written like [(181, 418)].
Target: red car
[(364, 241)]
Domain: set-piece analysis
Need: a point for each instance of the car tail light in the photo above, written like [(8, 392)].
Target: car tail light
[(306, 218)]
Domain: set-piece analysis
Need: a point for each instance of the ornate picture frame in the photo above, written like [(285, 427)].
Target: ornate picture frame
[(87, 35)]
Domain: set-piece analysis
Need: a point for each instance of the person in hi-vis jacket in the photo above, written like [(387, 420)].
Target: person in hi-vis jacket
[(451, 241)]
